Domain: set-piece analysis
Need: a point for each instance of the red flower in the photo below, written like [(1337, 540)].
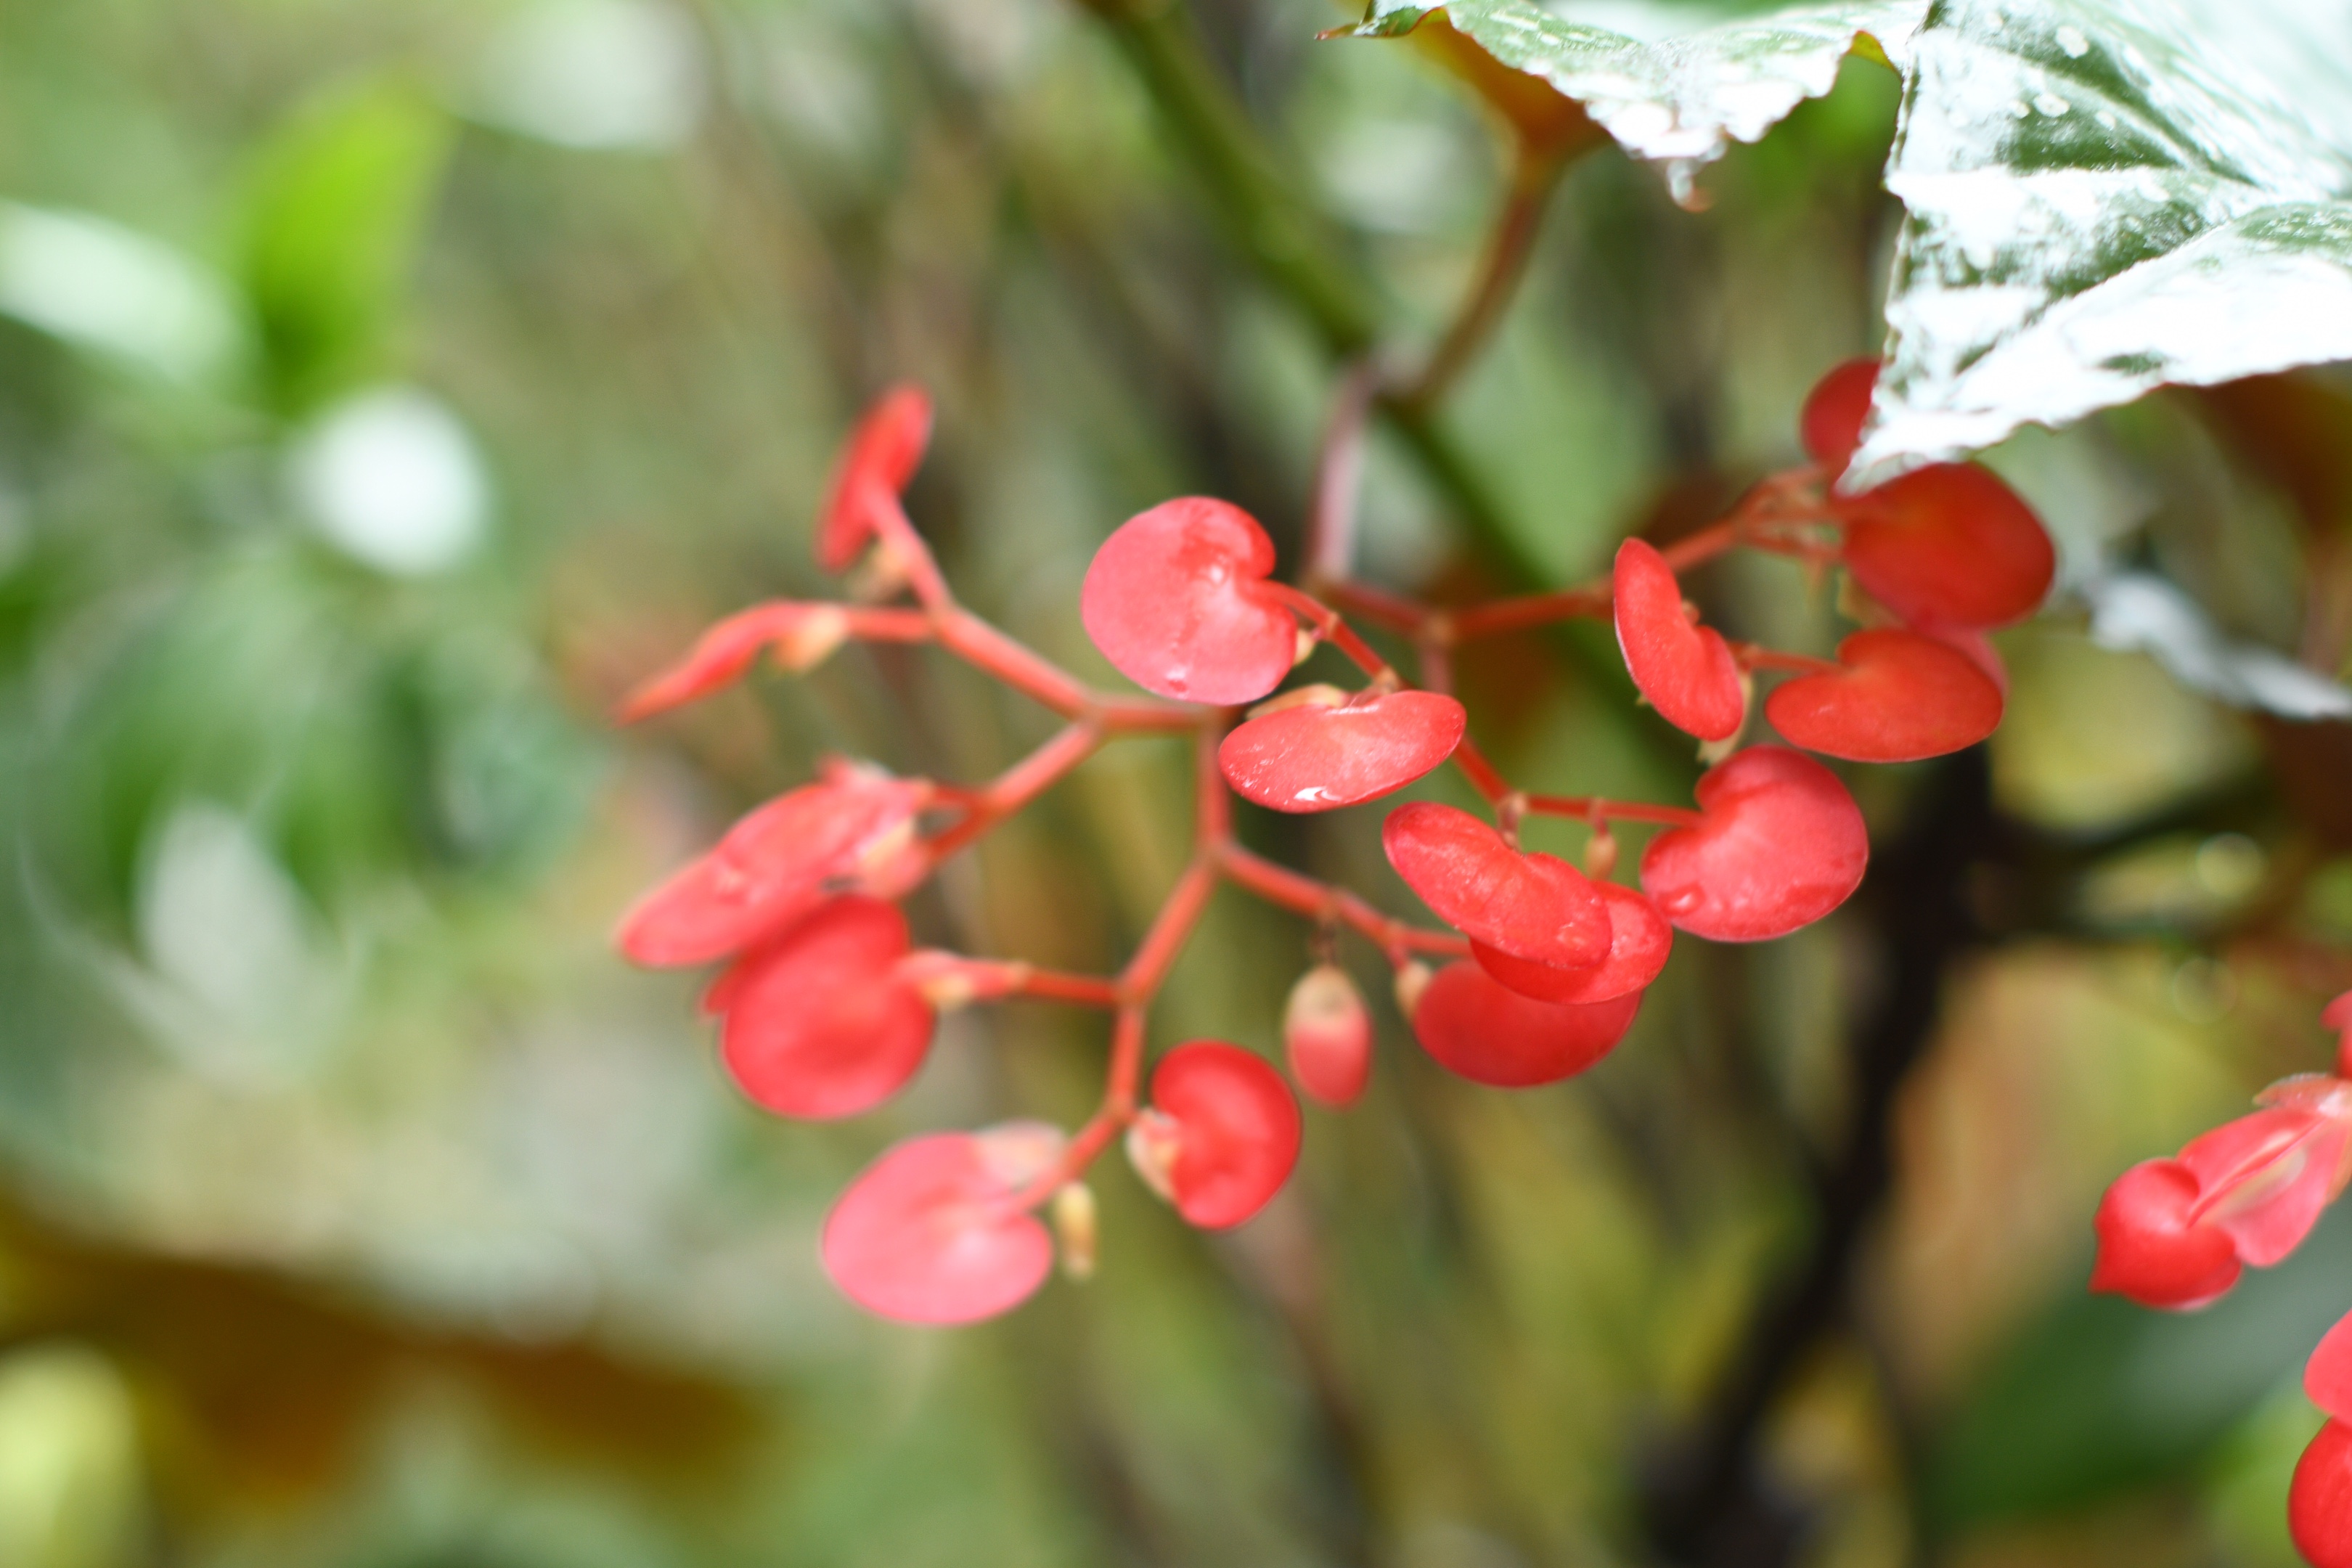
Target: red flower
[(934, 1231), (852, 830), (2175, 1233)]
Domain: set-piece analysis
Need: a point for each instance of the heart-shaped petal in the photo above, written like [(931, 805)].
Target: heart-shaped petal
[(1327, 1034), (1176, 600), (1835, 412), (1481, 1030), (1949, 543), (1221, 1133), (2319, 1499), (875, 465), (1317, 756), (2150, 1248), (1781, 845), (1900, 697), (1528, 906), (930, 1232), (815, 1023), (1686, 671), (854, 826), (1639, 942)]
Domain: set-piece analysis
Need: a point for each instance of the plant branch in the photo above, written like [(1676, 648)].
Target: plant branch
[(1533, 172)]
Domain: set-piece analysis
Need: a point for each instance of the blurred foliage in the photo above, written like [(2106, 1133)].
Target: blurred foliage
[(385, 384)]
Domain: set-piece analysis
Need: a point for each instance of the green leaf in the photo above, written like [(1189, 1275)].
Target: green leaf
[(2100, 201), (1667, 92), (338, 200)]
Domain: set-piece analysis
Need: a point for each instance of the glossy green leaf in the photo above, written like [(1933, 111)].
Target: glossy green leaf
[(1667, 92), (2103, 198)]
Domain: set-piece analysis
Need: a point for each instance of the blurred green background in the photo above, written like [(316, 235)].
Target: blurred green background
[(386, 385)]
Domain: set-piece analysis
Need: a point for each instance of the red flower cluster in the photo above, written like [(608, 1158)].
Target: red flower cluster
[(826, 1008), (2177, 1233)]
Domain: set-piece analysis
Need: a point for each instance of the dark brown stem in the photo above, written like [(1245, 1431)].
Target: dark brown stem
[(1713, 1505)]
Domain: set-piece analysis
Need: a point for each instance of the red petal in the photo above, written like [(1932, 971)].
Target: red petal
[(2264, 1178), (1782, 846), (927, 1234), (726, 650), (1237, 1129), (1903, 697), (1327, 1034), (2149, 1248), (816, 1025), (1686, 671), (2319, 1499), (877, 460), (1173, 600), (1835, 412), (1528, 906), (2337, 1014), (1949, 543), (2328, 1376), (773, 867), (1640, 940), (1317, 758), (1490, 1034)]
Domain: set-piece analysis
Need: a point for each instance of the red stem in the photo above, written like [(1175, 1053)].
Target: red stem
[(1328, 626), (1019, 785), (1286, 889)]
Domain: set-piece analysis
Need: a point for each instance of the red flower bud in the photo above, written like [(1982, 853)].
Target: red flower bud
[(1316, 755), (801, 635), (2319, 1499), (1175, 600), (1220, 1135), (1529, 906), (1490, 1033), (1950, 544), (2151, 1249), (875, 465), (1902, 697), (2175, 1233), (852, 829), (1834, 412), (1326, 1033), (932, 1233), (1781, 845), (1640, 940), (1686, 671), (817, 1022)]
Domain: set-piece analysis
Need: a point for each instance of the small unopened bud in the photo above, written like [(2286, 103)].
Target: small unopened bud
[(880, 575), (812, 638), (1153, 1140), (1075, 1228), (1600, 853), (1303, 648), (1412, 979), (1318, 695), (1326, 1033)]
